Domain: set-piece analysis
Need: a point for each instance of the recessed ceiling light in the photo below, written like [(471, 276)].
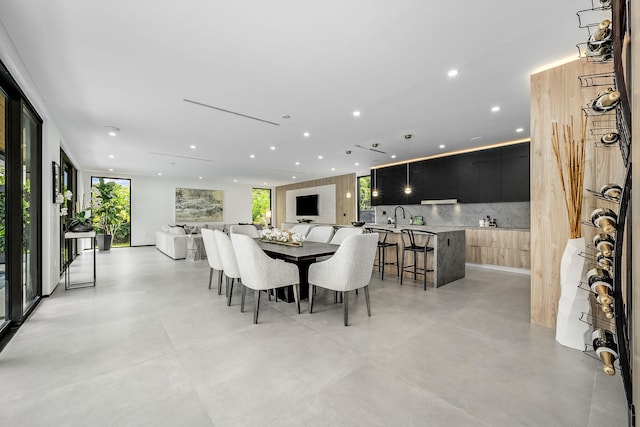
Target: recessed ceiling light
[(235, 180), (495, 109), (320, 157), (264, 183), (357, 164), (111, 156), (332, 169), (110, 169), (293, 177), (393, 156), (356, 113), (253, 156), (452, 73), (199, 177), (159, 173), (441, 145), (297, 163), (112, 130), (520, 130), (193, 147), (306, 134), (272, 148)]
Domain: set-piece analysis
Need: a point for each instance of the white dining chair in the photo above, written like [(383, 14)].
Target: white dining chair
[(301, 229), (262, 273), (320, 233), (229, 263), (246, 229), (213, 256), (348, 269), (343, 233)]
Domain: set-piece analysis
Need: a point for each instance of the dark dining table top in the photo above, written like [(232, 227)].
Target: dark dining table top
[(308, 250)]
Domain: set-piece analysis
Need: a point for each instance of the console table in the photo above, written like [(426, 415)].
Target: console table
[(67, 274)]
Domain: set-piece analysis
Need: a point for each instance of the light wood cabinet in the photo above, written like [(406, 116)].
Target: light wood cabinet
[(495, 246)]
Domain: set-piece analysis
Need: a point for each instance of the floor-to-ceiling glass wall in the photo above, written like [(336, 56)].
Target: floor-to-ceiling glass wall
[(30, 140), (20, 204), (3, 132)]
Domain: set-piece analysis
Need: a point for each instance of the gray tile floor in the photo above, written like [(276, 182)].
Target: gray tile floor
[(152, 346)]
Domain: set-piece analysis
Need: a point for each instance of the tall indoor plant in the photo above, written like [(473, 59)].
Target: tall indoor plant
[(110, 213)]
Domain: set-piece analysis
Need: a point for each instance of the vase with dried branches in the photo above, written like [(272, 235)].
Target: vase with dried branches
[(569, 152)]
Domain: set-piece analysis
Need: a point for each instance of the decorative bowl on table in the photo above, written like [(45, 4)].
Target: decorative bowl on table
[(357, 223), (281, 237)]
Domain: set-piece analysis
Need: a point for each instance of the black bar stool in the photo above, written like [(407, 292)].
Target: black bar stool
[(409, 244), (382, 249)]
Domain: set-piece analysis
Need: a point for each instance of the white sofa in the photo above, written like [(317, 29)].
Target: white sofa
[(172, 240)]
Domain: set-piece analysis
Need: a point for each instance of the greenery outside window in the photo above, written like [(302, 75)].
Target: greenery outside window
[(261, 206), (365, 212)]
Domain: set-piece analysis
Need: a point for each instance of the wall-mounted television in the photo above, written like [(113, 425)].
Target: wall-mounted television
[(307, 205)]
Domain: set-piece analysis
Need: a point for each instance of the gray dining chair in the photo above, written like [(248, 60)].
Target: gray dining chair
[(262, 273), (213, 256), (350, 268), (345, 232), (229, 263), (246, 229), (320, 233)]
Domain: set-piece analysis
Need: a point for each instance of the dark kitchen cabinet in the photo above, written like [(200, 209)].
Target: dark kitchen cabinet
[(493, 175)]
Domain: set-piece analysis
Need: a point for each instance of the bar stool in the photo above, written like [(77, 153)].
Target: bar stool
[(409, 244), (382, 249)]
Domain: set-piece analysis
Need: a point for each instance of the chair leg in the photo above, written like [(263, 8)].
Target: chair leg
[(256, 306), (425, 270), (415, 265), (310, 298), (296, 295), (220, 282), (230, 291), (345, 295), (402, 269), (244, 293), (384, 262), (335, 297), (366, 297), (397, 261), (210, 276)]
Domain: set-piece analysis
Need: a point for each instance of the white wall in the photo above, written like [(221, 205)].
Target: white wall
[(51, 141), (153, 202), (326, 203)]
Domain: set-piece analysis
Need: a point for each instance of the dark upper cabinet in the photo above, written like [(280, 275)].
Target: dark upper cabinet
[(516, 185), (493, 175)]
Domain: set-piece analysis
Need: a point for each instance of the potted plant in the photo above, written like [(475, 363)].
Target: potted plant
[(110, 213)]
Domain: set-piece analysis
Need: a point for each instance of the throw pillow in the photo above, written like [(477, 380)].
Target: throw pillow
[(176, 230)]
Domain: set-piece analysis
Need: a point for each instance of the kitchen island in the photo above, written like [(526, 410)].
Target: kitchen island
[(447, 259)]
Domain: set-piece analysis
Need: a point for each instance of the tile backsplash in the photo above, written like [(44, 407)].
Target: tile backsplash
[(507, 214)]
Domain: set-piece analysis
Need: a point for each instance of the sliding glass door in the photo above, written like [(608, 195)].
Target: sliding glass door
[(30, 142), (4, 297)]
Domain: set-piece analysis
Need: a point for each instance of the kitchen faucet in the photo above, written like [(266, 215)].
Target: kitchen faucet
[(395, 216)]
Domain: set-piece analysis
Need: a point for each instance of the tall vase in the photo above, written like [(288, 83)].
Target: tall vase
[(570, 330)]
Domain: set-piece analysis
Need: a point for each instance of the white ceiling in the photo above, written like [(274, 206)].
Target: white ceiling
[(131, 64)]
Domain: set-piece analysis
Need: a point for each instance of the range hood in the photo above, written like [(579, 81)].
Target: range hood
[(439, 202)]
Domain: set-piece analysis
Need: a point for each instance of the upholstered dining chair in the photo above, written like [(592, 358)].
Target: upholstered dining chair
[(348, 269), (320, 233), (213, 256), (229, 263), (262, 273), (246, 229), (345, 232), (301, 229)]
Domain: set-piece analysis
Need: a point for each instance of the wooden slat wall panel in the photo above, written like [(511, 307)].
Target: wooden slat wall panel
[(556, 95), (345, 208)]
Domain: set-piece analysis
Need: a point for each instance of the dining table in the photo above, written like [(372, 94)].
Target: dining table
[(303, 256)]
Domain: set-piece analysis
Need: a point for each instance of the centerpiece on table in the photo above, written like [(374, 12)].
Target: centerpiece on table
[(281, 237)]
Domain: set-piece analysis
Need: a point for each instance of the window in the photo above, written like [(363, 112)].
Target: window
[(261, 206), (365, 212), (114, 216)]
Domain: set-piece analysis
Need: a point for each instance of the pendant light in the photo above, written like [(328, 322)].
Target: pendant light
[(407, 189), (374, 192)]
